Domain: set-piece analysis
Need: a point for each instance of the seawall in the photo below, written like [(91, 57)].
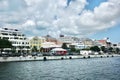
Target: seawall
[(44, 58)]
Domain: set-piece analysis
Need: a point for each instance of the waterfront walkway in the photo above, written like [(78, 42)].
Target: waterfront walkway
[(45, 58)]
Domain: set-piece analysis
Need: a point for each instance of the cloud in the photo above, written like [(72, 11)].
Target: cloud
[(3, 5), (54, 17)]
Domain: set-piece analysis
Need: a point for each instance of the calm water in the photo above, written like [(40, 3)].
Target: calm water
[(77, 69)]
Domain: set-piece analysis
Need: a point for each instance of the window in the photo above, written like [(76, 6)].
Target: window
[(16, 30), (14, 34), (4, 33), (23, 35), (21, 38), (11, 37), (36, 42), (15, 37), (24, 38), (5, 37)]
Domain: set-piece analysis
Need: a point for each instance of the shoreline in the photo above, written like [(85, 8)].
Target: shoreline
[(47, 58)]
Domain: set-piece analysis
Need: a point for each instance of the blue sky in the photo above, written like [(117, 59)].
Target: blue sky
[(111, 33), (95, 19), (93, 3)]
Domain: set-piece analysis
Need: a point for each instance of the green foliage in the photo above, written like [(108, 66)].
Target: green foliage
[(117, 50), (78, 50), (41, 49), (103, 48), (64, 46), (5, 44), (95, 49), (34, 49), (110, 49), (73, 49), (86, 49)]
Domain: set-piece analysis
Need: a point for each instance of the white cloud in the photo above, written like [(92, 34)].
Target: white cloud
[(57, 17), (3, 5), (29, 23)]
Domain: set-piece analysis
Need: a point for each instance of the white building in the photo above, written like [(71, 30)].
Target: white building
[(49, 45), (66, 39), (79, 43), (85, 52), (118, 45), (18, 39)]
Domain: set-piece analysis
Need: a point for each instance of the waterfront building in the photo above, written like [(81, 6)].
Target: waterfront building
[(78, 43), (87, 42), (47, 46), (85, 52), (17, 38), (118, 45), (66, 39), (102, 42), (58, 51), (84, 43), (97, 43), (36, 42), (50, 39), (53, 40)]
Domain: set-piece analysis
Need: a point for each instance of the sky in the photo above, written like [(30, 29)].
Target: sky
[(95, 19)]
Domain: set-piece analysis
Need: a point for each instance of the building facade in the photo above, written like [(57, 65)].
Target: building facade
[(17, 38), (36, 42), (118, 45), (66, 39)]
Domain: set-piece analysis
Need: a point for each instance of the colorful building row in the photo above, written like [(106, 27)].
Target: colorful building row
[(22, 44)]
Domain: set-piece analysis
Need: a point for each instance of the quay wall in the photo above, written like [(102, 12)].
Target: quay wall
[(44, 58)]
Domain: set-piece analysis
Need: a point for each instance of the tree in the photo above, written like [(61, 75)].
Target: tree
[(95, 49), (41, 49), (110, 49), (72, 49), (5, 44), (78, 50), (13, 49), (117, 50), (103, 48), (64, 46), (34, 49)]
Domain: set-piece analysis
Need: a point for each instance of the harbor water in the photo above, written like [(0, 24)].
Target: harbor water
[(72, 69)]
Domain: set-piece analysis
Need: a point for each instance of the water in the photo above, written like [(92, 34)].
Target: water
[(77, 69)]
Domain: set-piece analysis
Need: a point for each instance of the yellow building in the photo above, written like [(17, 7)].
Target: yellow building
[(36, 42)]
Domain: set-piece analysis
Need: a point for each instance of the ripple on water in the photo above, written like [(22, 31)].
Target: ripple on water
[(77, 69)]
